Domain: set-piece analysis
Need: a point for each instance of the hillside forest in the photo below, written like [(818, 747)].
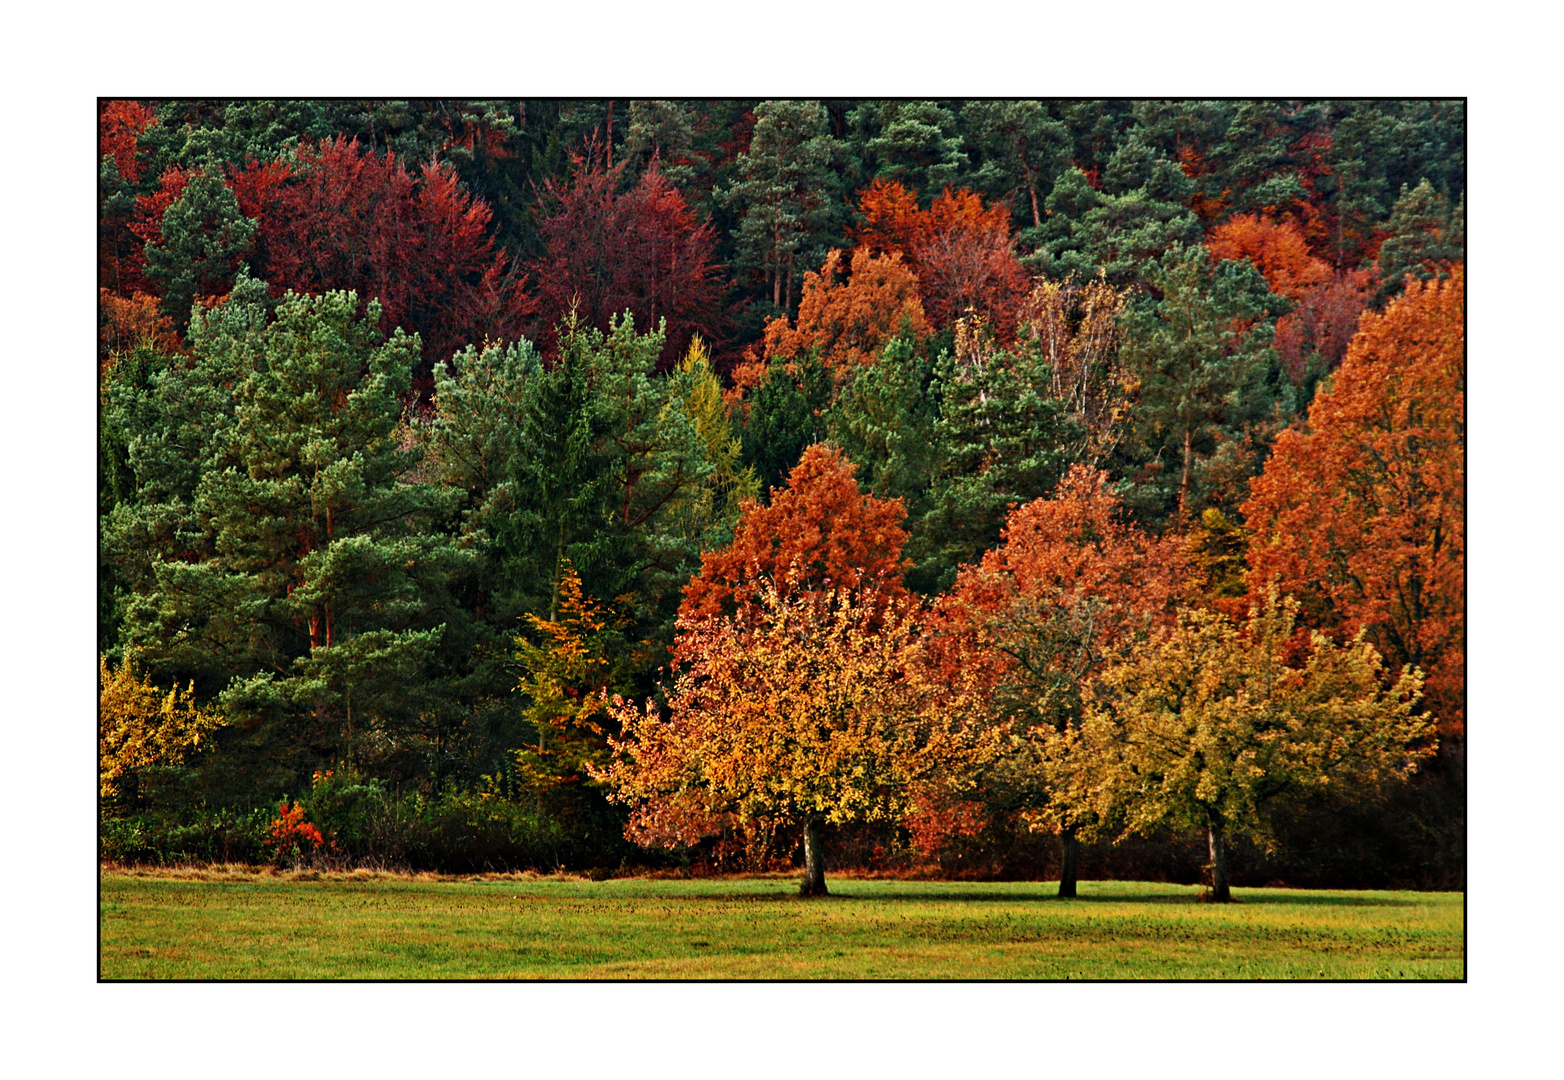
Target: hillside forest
[(976, 488)]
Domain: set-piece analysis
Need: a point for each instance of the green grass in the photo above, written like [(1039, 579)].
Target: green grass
[(243, 925)]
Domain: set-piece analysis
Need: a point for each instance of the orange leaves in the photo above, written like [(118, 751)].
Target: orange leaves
[(1361, 512), (849, 321), (291, 835), (1070, 581), (1277, 249), (128, 324), (803, 705), (834, 535), (959, 250)]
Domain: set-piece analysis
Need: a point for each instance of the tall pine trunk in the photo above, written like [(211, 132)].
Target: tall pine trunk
[(1069, 860), (1220, 893), (814, 866)]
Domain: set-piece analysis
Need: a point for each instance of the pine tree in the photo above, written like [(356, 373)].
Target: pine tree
[(787, 196)]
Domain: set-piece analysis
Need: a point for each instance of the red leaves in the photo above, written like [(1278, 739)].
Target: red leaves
[(120, 124), (959, 250), (642, 250), (342, 217)]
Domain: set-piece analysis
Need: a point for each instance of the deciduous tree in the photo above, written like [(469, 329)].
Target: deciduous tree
[(1203, 726), (820, 532), (640, 251), (804, 708), (142, 726), (1034, 619), (1361, 511)]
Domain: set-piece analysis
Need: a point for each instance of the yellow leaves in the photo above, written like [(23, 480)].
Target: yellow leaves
[(815, 703), (1206, 719), (139, 725)]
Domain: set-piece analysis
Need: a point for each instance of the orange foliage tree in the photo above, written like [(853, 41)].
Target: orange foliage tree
[(1032, 621), (807, 708), (821, 524), (1277, 249), (1361, 512), (850, 321), (960, 251)]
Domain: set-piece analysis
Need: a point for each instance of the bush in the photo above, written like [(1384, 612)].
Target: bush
[(209, 836)]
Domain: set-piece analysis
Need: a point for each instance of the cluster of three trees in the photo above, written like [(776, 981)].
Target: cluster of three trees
[(1063, 675)]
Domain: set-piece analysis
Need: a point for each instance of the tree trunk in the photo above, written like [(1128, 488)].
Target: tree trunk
[(1069, 860), (1219, 891), (814, 866)]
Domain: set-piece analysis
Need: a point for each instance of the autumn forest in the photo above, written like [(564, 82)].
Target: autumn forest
[(981, 489)]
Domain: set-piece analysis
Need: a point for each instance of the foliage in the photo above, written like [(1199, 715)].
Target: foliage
[(1203, 725), (1202, 358), (847, 323), (1360, 511), (1076, 329), (640, 251), (292, 838), (335, 215), (141, 727), (803, 706), (785, 195), (818, 534)]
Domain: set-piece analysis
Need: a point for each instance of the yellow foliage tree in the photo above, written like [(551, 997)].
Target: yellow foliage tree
[(1204, 725), (141, 725), (568, 677), (804, 709)]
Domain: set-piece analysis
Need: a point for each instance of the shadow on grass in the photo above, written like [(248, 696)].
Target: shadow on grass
[(1191, 897)]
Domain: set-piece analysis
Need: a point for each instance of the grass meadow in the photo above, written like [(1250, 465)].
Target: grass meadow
[(240, 923)]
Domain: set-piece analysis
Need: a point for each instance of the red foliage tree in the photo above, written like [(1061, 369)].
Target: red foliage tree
[(341, 217), (1033, 620), (642, 251), (819, 532), (1360, 512), (120, 124), (1325, 319)]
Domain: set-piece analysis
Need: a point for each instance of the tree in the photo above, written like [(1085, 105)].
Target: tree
[(141, 726), (999, 440), (1017, 149), (641, 251), (783, 413), (301, 576), (197, 242), (336, 215), (1033, 621), (1204, 726), (785, 195), (1201, 353), (804, 709), (847, 322), (571, 666), (820, 532), (1361, 511), (1089, 231), (1426, 236), (1277, 249), (914, 143), (959, 250), (1077, 330)]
